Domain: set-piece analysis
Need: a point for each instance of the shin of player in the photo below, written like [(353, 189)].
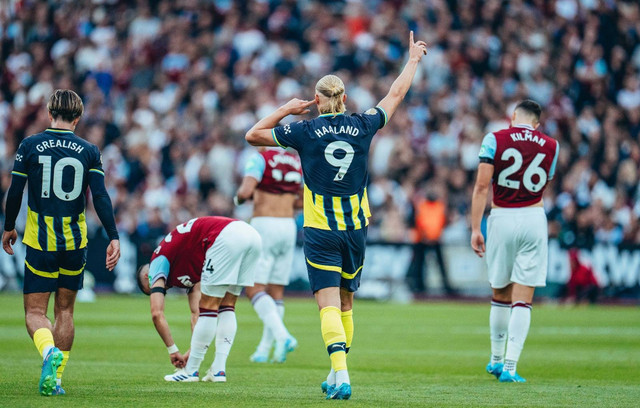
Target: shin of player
[(272, 178), (59, 167), (334, 150), (521, 161)]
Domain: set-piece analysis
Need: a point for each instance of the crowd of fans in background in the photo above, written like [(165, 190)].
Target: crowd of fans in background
[(170, 88)]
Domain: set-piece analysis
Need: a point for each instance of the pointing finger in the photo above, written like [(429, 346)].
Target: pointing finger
[(309, 103), (411, 37)]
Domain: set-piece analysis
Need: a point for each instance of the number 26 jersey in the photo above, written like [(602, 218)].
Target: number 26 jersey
[(334, 151), (524, 162), (56, 164)]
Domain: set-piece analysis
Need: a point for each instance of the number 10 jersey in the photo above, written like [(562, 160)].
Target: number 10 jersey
[(334, 151), (56, 164), (525, 161)]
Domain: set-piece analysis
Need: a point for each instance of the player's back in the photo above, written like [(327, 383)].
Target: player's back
[(56, 163), (524, 161), (334, 151), (282, 172)]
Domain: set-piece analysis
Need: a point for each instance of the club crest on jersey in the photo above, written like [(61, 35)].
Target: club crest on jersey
[(527, 136)]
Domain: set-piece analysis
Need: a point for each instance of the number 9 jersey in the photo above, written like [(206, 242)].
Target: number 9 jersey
[(525, 161), (56, 164), (334, 151)]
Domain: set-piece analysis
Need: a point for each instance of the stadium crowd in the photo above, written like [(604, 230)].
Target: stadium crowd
[(170, 88)]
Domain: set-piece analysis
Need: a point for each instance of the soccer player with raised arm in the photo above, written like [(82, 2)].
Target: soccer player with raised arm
[(219, 255), (58, 166), (273, 178), (519, 162), (334, 151)]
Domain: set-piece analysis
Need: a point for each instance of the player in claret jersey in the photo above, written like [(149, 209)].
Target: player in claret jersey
[(273, 178), (334, 151), (214, 257), (521, 161)]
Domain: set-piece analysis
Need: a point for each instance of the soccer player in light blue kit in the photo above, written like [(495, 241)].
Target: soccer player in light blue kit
[(334, 150)]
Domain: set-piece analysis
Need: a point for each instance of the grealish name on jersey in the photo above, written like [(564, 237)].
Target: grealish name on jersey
[(527, 136), (348, 130), (50, 144)]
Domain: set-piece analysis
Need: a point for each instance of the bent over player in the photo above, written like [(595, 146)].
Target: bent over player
[(272, 177), (334, 150), (521, 161), (221, 254), (58, 166)]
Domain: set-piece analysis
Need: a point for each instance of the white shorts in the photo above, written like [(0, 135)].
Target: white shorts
[(517, 246), (231, 260), (278, 243)]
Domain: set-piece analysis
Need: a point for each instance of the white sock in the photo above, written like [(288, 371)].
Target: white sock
[(280, 307), (264, 347), (499, 324), (58, 381), (268, 313), (342, 377), (518, 330), (225, 333), (331, 378), (45, 351), (202, 336)]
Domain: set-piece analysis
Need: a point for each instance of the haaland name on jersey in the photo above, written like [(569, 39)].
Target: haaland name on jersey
[(49, 144), (349, 130)]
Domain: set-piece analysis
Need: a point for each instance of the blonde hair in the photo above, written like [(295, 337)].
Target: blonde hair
[(65, 104), (332, 88)]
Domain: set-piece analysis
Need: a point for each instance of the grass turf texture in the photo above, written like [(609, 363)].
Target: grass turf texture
[(427, 354)]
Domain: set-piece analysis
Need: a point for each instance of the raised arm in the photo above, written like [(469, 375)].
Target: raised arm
[(260, 134), (401, 85), (478, 204)]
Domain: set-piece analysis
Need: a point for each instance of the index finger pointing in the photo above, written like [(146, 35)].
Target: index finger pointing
[(309, 103), (411, 37)]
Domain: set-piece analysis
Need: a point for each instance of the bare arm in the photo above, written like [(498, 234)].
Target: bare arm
[(194, 304), (246, 189), (260, 133), (478, 204), (160, 322), (401, 85)]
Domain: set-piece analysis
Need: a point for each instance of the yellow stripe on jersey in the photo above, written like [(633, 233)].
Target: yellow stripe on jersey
[(328, 213), (51, 233), (82, 223), (70, 243), (17, 173), (96, 171), (339, 213), (354, 215), (41, 273), (31, 230), (386, 118), (275, 139)]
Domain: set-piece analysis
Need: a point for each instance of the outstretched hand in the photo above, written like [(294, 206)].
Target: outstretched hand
[(416, 49), (298, 106)]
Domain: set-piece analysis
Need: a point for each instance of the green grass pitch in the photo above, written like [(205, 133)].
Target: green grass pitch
[(425, 354)]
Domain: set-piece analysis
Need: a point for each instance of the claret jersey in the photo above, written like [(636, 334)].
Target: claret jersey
[(56, 164), (277, 171), (525, 161), (179, 258), (334, 151)]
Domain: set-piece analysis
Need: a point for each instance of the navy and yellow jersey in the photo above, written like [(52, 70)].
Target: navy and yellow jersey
[(334, 150), (56, 164)]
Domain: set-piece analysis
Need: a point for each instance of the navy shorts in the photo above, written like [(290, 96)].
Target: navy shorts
[(46, 271), (334, 258)]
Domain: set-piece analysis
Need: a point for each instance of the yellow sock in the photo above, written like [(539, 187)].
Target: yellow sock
[(347, 323), (334, 337), (43, 339), (65, 358)]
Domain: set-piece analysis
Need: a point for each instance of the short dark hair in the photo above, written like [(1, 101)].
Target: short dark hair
[(531, 107), (66, 105), (139, 278)]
